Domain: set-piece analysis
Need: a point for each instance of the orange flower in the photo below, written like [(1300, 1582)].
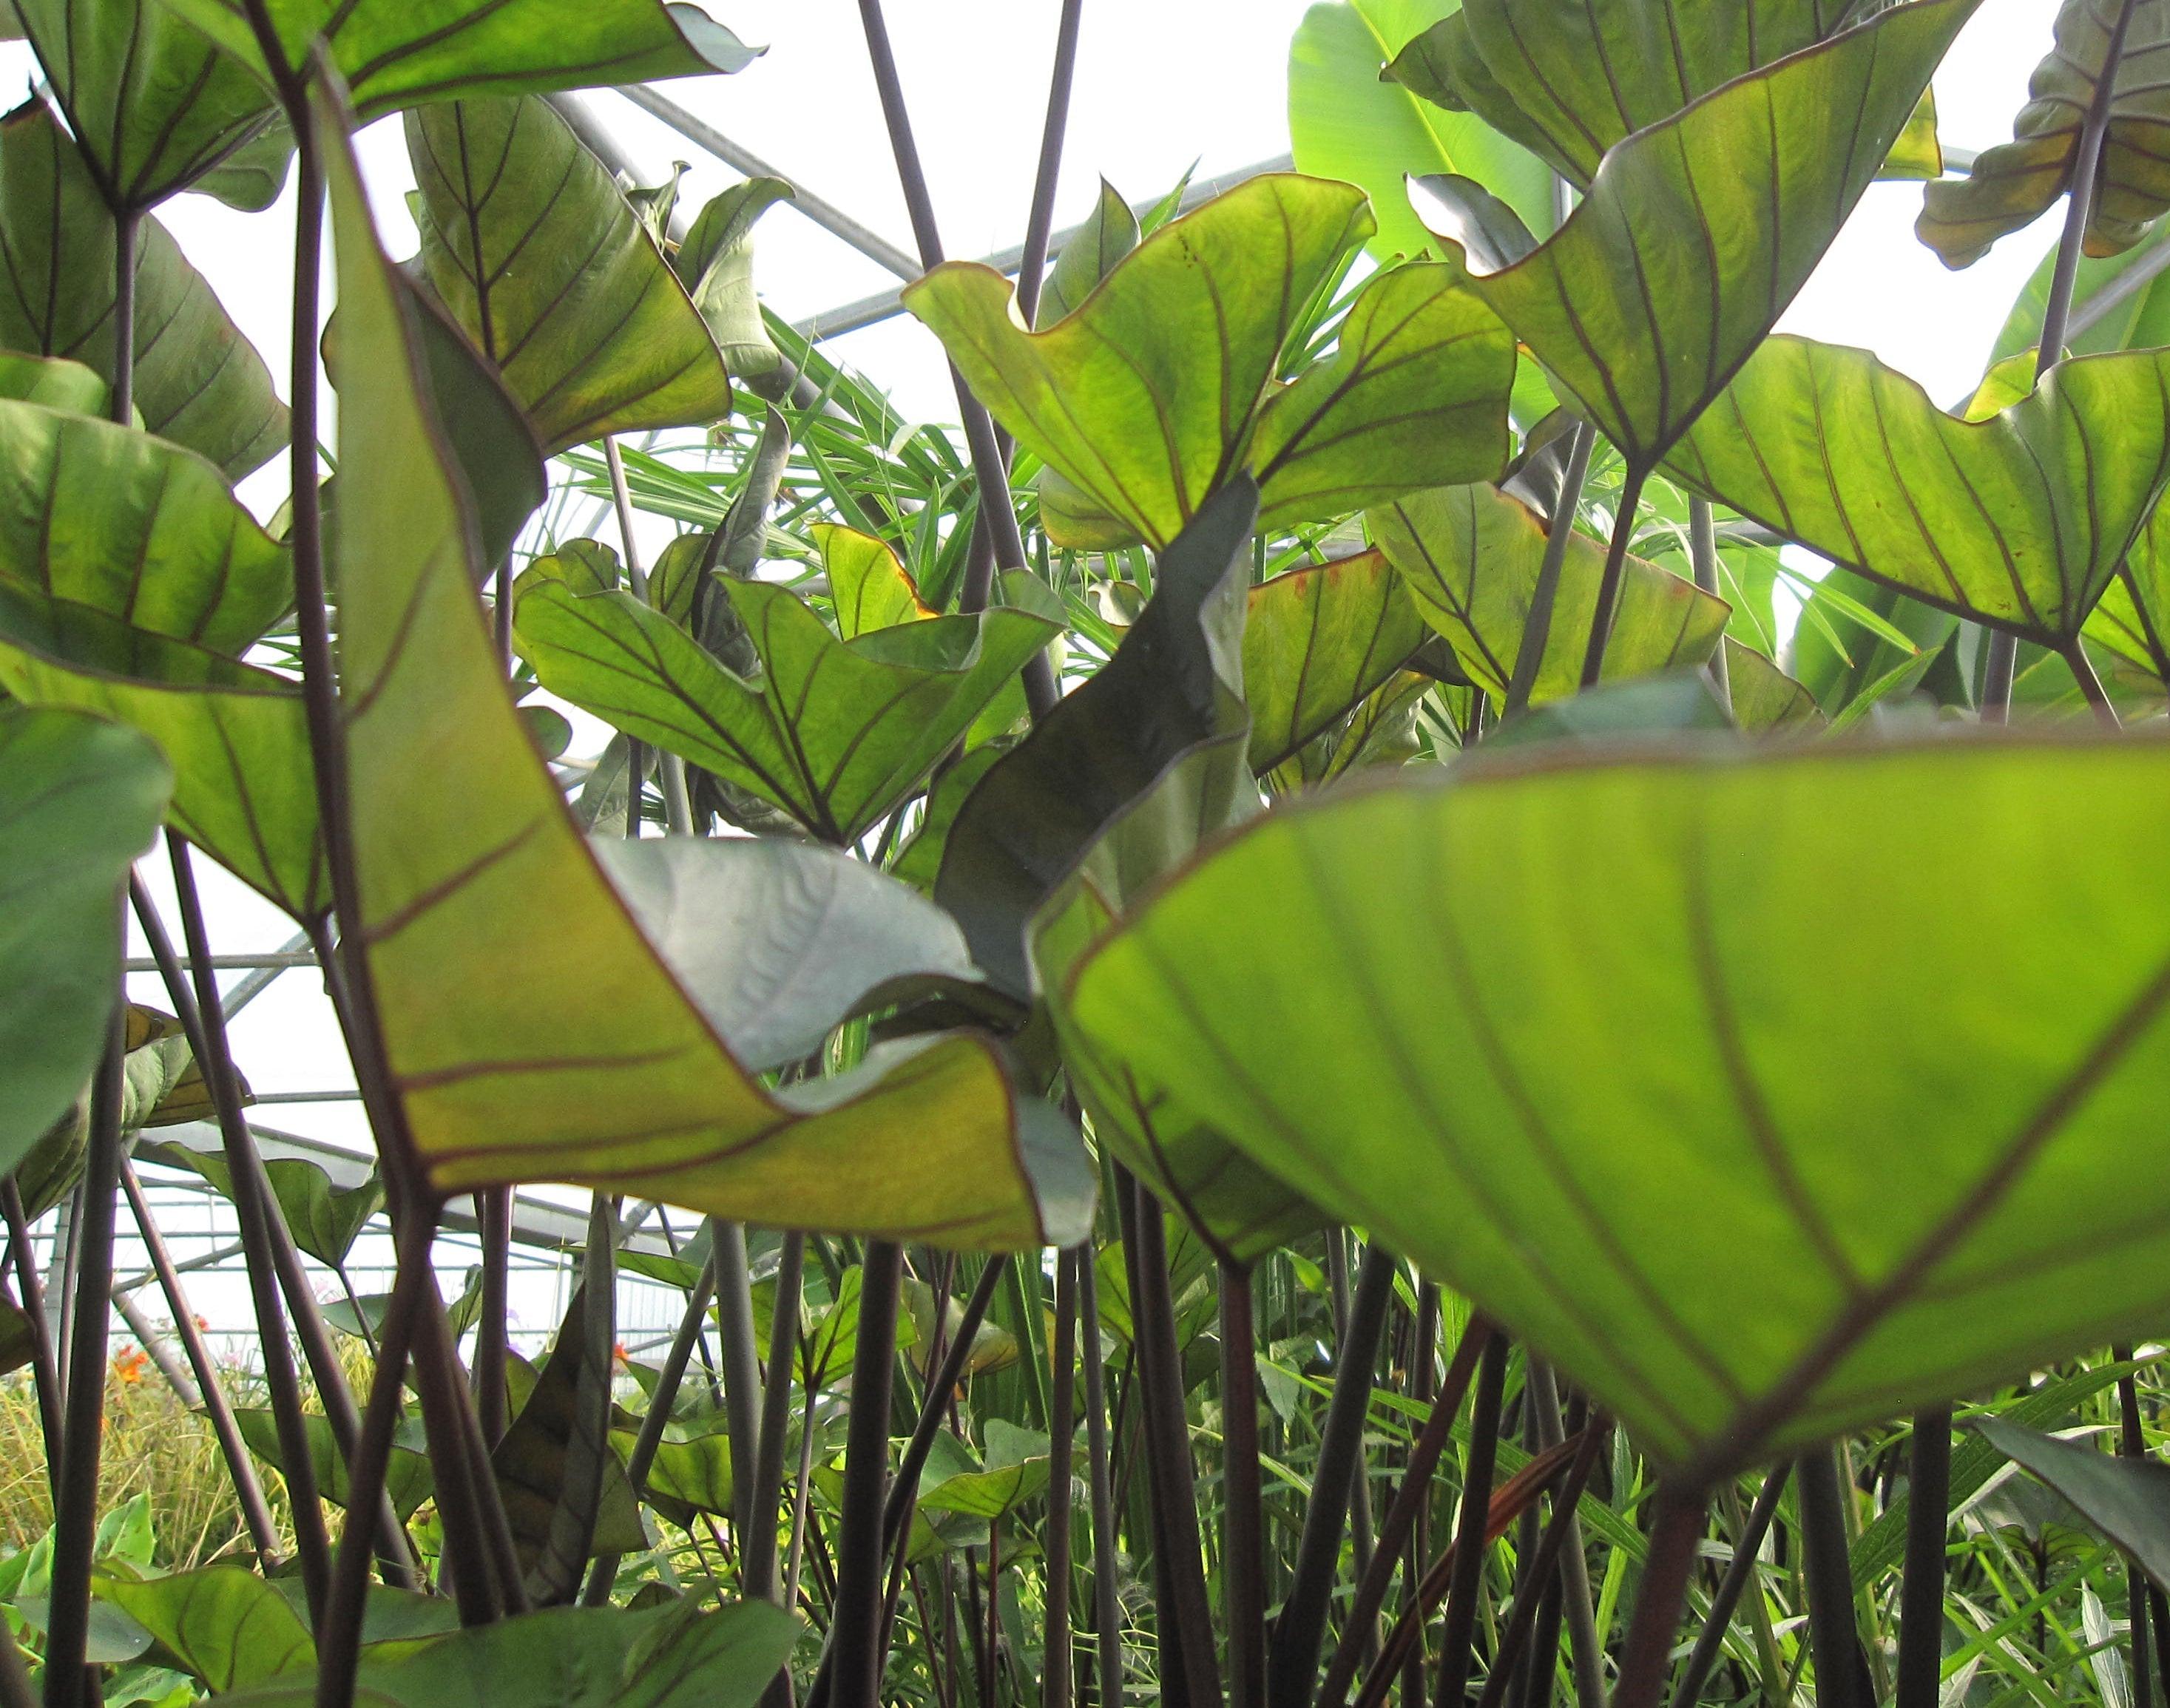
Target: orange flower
[(130, 1363)]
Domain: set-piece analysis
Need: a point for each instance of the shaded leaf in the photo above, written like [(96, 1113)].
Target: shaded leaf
[(2126, 1500), (1764, 697), (1315, 642), (54, 382), (407, 1479), (919, 861), (1381, 730), (325, 1220), (715, 264), (226, 1626)]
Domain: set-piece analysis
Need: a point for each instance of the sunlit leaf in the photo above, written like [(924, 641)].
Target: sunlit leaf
[(1550, 1029), (463, 840), (54, 382), (867, 588), (226, 1624), (1110, 233), (544, 264), (407, 1480), (1315, 642), (2018, 521), (1764, 697), (1381, 730)]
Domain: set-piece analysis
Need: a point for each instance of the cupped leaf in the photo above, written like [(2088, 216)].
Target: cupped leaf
[(152, 103), (2013, 184), (540, 259), (1090, 255), (2127, 1500), (226, 1626), (396, 53), (1698, 231), (1553, 1025), (780, 942), (109, 517), (462, 840), (1347, 122), (79, 800), (868, 589), (1471, 556), (715, 264), (2018, 521), (1014, 1470), (1164, 383), (199, 382), (1569, 79), (1315, 642), (325, 1220), (237, 736), (54, 382), (1380, 729), (1764, 699)]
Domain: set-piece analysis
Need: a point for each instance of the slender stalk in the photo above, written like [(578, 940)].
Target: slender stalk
[(903, 1494), (1921, 1595), (2132, 1443), (1242, 1549), (669, 769), (491, 1400), (1648, 1657), (1703, 556), (44, 1368), (757, 1568), (1710, 1642), (857, 1617), (1459, 1624), (1424, 1369), (1608, 589), (1833, 1642), (241, 1468), (75, 1514), (1040, 223), (1056, 1689), (1107, 1614), (1543, 1578), (2091, 687), (1538, 626), (742, 1404)]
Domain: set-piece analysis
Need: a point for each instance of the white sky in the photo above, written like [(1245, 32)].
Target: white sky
[(1161, 84)]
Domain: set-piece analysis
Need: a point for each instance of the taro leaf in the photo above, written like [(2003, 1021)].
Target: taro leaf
[(18, 1339), (79, 801), (919, 861), (1175, 682), (2133, 615), (1347, 122), (1315, 642), (1543, 1025), (1164, 384), (779, 943), (1569, 79), (107, 516), (1381, 730), (1765, 698), (867, 588), (1090, 256), (493, 447), (690, 1471), (2013, 184), (237, 736), (715, 264), (198, 381), (325, 1220), (153, 105), (1698, 231), (161, 1086), (224, 1624), (1013, 1471), (994, 1347), (462, 841), (2137, 316), (543, 264), (1471, 556), (2018, 521), (349, 1316), (54, 382), (396, 53), (837, 733), (408, 1480), (2126, 1500)]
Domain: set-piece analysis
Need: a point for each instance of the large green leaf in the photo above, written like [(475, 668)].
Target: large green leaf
[(395, 53), (715, 264), (1568, 79), (1471, 556), (461, 841), (2132, 618), (324, 1219), (152, 103), (543, 262), (1698, 231), (2013, 184), (1347, 122), (198, 381), (79, 800), (2018, 521), (837, 733), (1315, 642), (408, 1478), (2138, 319), (110, 517), (224, 1624), (1559, 1029), (237, 736), (1164, 384)]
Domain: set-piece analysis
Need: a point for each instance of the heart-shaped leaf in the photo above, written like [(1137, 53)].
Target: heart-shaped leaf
[(1697, 231), (325, 1220), (2013, 184), (1471, 556), (1164, 383), (1543, 1024), (395, 53), (1315, 642), (868, 589), (1568, 79), (79, 801), (243, 789), (540, 259), (199, 382), (224, 1624), (109, 517), (461, 840), (153, 104), (2018, 521)]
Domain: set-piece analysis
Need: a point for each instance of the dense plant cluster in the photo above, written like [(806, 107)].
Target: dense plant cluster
[(1316, 1063)]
